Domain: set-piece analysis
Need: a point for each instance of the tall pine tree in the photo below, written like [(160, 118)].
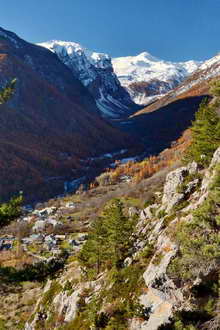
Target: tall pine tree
[(119, 228), (109, 242), (205, 131)]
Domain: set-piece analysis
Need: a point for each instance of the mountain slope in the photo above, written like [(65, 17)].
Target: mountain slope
[(95, 72), (197, 84), (164, 279), (49, 125), (147, 77)]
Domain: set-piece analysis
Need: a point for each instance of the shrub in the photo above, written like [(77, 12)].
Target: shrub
[(201, 251), (161, 214), (11, 210), (157, 259), (36, 272), (49, 295), (104, 179)]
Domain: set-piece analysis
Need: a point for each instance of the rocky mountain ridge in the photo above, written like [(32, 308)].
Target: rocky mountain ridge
[(208, 70), (96, 73), (146, 77), (196, 85)]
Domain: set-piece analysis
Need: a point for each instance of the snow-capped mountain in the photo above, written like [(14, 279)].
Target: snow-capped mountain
[(193, 88), (208, 70), (146, 77), (95, 71), (50, 125)]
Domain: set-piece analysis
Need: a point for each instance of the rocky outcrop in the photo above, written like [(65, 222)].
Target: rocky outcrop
[(67, 304), (171, 195), (148, 212), (173, 180), (216, 158), (162, 295)]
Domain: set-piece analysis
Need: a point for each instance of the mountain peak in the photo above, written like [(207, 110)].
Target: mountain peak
[(95, 71), (146, 56), (146, 77), (71, 48)]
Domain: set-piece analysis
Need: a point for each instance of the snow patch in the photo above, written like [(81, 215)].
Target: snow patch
[(147, 68)]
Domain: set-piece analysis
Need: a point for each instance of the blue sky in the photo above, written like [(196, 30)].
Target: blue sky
[(174, 30)]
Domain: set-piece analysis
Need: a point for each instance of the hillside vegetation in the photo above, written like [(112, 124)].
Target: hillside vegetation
[(146, 250)]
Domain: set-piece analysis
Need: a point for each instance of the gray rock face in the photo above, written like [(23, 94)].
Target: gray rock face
[(162, 295), (216, 158), (174, 179), (192, 167), (148, 212), (133, 211), (67, 305), (170, 195), (71, 205), (191, 186), (45, 212)]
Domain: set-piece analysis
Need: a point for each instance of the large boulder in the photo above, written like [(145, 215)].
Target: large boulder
[(173, 180)]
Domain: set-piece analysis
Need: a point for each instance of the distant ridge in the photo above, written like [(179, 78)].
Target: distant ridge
[(146, 77), (96, 73)]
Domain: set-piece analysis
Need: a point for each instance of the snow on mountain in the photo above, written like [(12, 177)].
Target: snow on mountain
[(208, 70), (191, 90), (95, 71), (146, 77)]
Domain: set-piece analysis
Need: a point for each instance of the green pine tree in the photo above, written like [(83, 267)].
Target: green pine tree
[(109, 241), (119, 228), (205, 133), (95, 251), (7, 92), (10, 210), (215, 88)]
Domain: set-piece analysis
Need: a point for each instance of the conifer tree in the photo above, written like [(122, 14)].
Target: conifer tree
[(95, 251), (205, 131), (109, 241), (215, 88), (10, 210), (119, 228), (7, 92)]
